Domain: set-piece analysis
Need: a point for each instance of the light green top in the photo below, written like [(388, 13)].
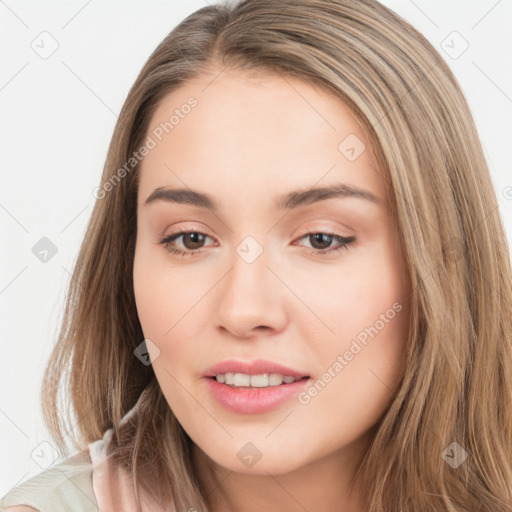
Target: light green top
[(65, 487)]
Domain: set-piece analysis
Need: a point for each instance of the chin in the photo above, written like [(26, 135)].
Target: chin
[(246, 458)]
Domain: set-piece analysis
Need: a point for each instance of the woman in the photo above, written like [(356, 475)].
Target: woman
[(295, 289)]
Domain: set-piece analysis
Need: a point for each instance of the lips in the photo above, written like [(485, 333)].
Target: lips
[(255, 367), (253, 400), (247, 400)]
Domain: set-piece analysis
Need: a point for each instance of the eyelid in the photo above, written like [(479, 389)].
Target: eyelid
[(345, 239), (337, 230), (188, 227), (191, 227)]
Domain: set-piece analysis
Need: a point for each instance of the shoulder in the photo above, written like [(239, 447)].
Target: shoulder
[(20, 508), (61, 488)]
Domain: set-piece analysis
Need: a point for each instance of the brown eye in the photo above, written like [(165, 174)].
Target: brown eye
[(320, 241), (189, 241), (193, 240)]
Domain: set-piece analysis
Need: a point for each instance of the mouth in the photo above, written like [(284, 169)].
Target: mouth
[(253, 387), (256, 369), (262, 380)]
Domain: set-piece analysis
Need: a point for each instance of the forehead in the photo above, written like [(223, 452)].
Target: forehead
[(258, 131)]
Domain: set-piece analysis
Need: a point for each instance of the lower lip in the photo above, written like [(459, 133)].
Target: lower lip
[(253, 400)]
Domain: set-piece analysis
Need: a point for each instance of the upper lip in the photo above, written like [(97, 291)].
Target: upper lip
[(254, 367)]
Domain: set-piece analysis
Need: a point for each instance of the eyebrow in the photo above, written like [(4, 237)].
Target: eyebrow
[(289, 201)]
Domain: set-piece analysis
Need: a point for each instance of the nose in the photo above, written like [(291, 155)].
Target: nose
[(251, 299)]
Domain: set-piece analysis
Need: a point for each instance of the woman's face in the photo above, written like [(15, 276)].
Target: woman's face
[(251, 290)]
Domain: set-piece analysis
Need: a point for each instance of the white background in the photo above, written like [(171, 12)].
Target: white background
[(57, 117)]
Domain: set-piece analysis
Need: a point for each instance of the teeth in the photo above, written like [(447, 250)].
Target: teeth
[(274, 379), (259, 381), (255, 381), (239, 379)]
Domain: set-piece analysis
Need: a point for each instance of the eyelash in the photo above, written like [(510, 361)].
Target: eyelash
[(344, 243)]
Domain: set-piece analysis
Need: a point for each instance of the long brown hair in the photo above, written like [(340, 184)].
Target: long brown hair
[(454, 402)]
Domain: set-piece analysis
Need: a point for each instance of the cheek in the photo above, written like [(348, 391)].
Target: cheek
[(150, 301), (358, 294), (156, 295), (160, 295), (168, 309), (377, 338), (361, 368), (368, 311)]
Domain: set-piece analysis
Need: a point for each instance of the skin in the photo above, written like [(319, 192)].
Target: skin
[(251, 138)]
